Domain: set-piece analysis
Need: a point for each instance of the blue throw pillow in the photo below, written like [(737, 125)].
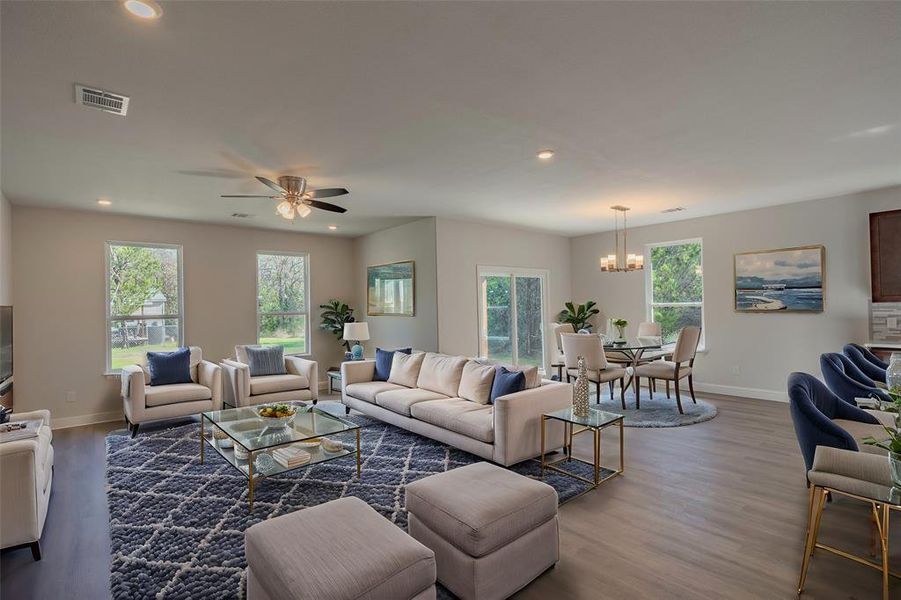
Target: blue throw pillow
[(169, 367), (506, 382), (383, 359), (266, 360)]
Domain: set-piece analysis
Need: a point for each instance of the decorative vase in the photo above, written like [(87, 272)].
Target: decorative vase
[(893, 373), (620, 332), (894, 461), (580, 393)]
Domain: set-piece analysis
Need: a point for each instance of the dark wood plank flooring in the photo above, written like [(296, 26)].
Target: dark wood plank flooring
[(714, 510)]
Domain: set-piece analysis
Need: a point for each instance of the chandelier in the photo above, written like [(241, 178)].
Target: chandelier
[(619, 261)]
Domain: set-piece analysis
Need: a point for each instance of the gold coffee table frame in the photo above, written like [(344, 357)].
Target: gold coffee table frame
[(570, 421)]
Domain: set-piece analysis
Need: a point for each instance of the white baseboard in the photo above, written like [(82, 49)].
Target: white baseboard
[(731, 390), (104, 417)]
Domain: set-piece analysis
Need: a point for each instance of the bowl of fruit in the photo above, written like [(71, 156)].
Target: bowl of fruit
[(275, 415)]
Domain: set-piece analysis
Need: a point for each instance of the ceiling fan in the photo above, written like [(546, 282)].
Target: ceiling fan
[(296, 199)]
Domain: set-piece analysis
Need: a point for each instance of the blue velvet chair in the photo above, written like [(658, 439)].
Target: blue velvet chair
[(860, 360), (813, 407), (847, 381), (870, 356)]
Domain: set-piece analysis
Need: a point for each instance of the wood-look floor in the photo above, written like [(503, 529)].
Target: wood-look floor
[(714, 510)]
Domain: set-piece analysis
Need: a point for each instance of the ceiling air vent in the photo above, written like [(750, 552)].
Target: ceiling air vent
[(242, 215), (674, 209), (116, 104)]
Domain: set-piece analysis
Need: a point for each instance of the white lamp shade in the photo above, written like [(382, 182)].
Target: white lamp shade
[(356, 331)]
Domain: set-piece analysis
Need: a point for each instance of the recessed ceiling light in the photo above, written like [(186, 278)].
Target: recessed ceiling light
[(104, 202), (333, 227), (144, 9), (545, 154)]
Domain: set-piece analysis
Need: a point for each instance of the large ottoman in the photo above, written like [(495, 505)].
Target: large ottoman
[(492, 531), (340, 550)]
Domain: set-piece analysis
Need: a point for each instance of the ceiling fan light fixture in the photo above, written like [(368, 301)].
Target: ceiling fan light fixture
[(143, 9), (303, 210), (545, 154), (285, 210)]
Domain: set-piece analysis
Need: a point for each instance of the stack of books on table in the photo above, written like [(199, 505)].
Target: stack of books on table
[(291, 456)]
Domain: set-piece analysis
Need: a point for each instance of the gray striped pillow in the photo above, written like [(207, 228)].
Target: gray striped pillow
[(266, 360)]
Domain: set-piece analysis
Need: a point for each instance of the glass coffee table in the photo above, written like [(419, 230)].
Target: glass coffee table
[(254, 438), (595, 422)]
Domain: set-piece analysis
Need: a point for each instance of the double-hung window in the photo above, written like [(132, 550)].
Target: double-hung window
[(511, 315), (675, 287), (283, 308), (144, 301)]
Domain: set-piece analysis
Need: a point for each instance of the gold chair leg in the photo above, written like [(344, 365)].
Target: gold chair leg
[(817, 498), (883, 534)]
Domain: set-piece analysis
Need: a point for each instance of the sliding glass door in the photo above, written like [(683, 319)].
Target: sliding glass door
[(511, 315)]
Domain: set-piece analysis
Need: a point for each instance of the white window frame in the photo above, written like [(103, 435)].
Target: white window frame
[(512, 272), (649, 286), (110, 318), (306, 298)]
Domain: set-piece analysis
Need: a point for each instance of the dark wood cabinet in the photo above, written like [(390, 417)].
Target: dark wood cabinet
[(885, 256)]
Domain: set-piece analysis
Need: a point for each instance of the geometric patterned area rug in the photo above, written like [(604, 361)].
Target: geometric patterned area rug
[(177, 526)]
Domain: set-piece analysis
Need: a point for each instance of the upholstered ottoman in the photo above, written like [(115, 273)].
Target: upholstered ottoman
[(340, 550), (492, 531)]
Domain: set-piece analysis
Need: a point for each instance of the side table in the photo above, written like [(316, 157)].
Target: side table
[(595, 422)]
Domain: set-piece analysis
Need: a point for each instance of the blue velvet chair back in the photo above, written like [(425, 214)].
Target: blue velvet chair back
[(847, 381), (871, 370), (869, 355), (813, 408)]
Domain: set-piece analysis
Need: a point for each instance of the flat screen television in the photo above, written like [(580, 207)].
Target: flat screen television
[(6, 343)]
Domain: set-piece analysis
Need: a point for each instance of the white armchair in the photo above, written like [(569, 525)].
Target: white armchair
[(143, 402), (300, 383), (27, 468)]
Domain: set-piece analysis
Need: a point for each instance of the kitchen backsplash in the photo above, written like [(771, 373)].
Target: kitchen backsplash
[(885, 322)]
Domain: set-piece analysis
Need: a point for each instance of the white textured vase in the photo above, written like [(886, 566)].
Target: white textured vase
[(580, 393)]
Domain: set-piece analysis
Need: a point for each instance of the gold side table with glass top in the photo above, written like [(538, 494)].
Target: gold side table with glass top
[(595, 422), (257, 437)]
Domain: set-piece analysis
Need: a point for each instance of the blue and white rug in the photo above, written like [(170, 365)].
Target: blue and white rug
[(177, 526)]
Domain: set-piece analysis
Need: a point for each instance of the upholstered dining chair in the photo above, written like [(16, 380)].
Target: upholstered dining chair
[(650, 329), (847, 381), (870, 369), (589, 347), (868, 354), (673, 370), (559, 329)]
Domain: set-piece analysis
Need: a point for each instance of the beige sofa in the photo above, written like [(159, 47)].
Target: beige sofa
[(507, 432), (300, 383)]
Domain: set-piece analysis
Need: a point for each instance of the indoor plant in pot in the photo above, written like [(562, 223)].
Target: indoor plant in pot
[(334, 315), (620, 325), (578, 315), (893, 443)]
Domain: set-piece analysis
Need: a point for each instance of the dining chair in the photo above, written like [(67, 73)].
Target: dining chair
[(651, 329), (559, 329), (847, 381), (673, 370), (870, 356), (870, 369), (589, 347)]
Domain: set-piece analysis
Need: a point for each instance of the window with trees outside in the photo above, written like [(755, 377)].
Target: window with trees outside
[(144, 301), (283, 313), (675, 287), (511, 315)]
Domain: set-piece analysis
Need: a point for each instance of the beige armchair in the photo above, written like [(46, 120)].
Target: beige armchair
[(300, 383), (143, 402), (27, 468), (589, 347), (673, 370)]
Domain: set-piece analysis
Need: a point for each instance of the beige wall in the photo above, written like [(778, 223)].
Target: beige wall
[(58, 274), (6, 252), (412, 241), (464, 246), (765, 348)]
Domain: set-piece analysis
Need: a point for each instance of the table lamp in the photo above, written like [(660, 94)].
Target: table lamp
[(357, 332)]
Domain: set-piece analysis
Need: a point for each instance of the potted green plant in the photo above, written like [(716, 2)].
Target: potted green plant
[(334, 315), (620, 325), (892, 444), (578, 315)]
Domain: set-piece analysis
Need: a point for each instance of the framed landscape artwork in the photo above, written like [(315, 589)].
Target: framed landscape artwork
[(391, 289), (784, 280)]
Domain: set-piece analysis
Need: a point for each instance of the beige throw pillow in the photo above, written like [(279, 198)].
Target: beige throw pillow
[(405, 368), (441, 373), (475, 385)]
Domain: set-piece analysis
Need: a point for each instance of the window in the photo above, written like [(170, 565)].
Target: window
[(143, 301), (511, 315), (675, 287), (283, 313)]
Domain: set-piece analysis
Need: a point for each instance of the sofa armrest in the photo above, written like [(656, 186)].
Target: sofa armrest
[(33, 415), (308, 368), (356, 371), (209, 375), (20, 492), (133, 383), (236, 380), (517, 422)]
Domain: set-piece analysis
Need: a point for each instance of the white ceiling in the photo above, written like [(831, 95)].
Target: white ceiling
[(438, 108)]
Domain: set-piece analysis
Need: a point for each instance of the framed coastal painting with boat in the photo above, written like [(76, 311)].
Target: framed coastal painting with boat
[(783, 280)]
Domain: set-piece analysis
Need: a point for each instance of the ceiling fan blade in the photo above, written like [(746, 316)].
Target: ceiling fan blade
[(272, 184), (328, 193), (326, 206), (243, 196)]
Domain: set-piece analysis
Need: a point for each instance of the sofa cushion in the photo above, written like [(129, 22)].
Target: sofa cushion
[(475, 383), (175, 393), (400, 401), (266, 360), (383, 359), (506, 382), (340, 550), (267, 384), (367, 390), (459, 415), (167, 368), (481, 507), (405, 368), (440, 373)]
